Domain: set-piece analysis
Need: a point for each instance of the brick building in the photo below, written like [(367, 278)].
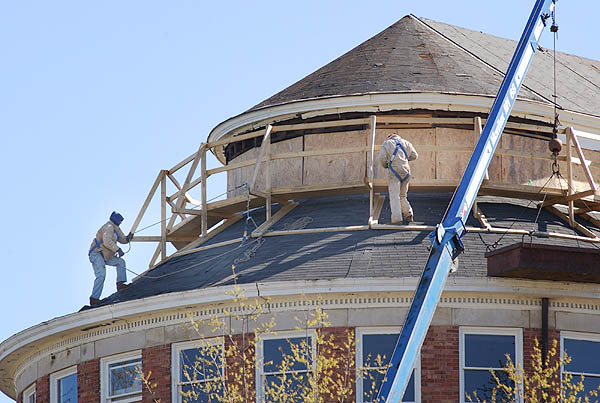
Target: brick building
[(311, 228)]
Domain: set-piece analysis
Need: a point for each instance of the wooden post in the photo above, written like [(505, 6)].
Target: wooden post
[(584, 164), (372, 125), (203, 191), (569, 135), (478, 130), (268, 178), (163, 216), (266, 138)]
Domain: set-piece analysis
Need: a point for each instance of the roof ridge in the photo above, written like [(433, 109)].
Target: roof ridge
[(481, 60)]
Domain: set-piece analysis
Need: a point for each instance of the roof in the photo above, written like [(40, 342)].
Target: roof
[(421, 55), (340, 254)]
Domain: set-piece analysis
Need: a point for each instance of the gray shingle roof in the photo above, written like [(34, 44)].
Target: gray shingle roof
[(416, 54), (358, 254)]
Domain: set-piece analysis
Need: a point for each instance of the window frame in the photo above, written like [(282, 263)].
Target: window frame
[(176, 349), (577, 336), (57, 376), (104, 376), (259, 355), (28, 392), (359, 332), (487, 331)]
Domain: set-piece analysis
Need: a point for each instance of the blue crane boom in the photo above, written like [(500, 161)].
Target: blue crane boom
[(446, 239)]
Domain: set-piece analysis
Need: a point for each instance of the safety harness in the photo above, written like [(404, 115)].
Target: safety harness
[(398, 146), (98, 244)]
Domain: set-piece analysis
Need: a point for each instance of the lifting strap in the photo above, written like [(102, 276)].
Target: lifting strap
[(398, 146)]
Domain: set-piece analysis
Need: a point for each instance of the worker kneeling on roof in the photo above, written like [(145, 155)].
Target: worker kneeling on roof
[(394, 155), (105, 251)]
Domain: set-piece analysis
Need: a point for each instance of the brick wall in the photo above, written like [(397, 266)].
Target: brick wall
[(239, 351), (42, 390), (88, 381), (440, 365), (156, 362), (338, 348)]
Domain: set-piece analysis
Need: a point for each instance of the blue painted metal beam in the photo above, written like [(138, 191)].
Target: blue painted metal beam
[(446, 240)]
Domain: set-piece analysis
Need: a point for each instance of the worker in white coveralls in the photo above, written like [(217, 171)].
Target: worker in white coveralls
[(105, 251), (394, 155)]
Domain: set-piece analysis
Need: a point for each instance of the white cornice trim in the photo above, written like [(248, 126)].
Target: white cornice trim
[(189, 299), (381, 102)]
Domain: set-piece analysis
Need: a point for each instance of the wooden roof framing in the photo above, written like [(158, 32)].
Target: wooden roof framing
[(189, 224)]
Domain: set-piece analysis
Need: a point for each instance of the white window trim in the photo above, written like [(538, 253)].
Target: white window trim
[(176, 349), (259, 359), (55, 377), (361, 331), (28, 392), (105, 362), (576, 336), (491, 331)]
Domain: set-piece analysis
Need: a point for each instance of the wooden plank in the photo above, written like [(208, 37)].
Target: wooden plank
[(426, 120), (268, 179), (180, 197), (575, 225), (480, 216), (568, 199), (203, 191), (174, 180), (378, 206), (178, 166), (229, 167), (266, 138), (586, 169), (201, 248), (590, 219), (317, 230), (569, 134), (478, 131), (286, 208), (198, 212), (212, 233), (146, 202), (319, 125), (316, 153), (163, 216), (371, 173), (155, 256)]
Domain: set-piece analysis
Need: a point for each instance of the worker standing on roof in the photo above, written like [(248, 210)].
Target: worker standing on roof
[(105, 251), (394, 155)]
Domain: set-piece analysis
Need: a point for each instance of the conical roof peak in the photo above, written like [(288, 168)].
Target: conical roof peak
[(420, 55)]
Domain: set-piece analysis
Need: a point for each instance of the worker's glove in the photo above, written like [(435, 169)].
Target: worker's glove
[(120, 252), (129, 237), (387, 165)]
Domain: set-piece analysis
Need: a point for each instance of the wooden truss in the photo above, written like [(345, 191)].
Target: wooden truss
[(194, 222)]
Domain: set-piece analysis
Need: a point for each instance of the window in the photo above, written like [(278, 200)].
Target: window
[(584, 350), (29, 394), (63, 386), (485, 349), (120, 378), (289, 356), (197, 369), (374, 348)]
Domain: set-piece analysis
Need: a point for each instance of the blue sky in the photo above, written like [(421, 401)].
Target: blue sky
[(97, 97)]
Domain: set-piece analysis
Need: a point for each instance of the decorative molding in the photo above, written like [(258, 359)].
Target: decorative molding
[(175, 309)]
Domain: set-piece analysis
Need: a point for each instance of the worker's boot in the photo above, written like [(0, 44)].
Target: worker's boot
[(408, 218), (94, 301), (122, 286)]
